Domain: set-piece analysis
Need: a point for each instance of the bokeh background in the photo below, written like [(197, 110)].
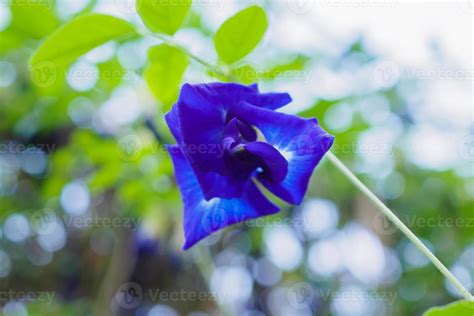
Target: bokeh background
[(90, 215)]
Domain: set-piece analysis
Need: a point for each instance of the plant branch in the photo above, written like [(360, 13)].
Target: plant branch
[(400, 225), (171, 42)]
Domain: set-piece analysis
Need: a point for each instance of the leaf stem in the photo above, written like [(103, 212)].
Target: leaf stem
[(171, 42), (400, 225)]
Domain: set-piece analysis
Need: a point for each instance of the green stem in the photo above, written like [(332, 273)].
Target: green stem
[(400, 225), (171, 42)]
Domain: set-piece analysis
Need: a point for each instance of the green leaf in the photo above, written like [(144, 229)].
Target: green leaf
[(240, 34), (73, 40), (459, 308), (165, 71), (10, 41), (163, 16), (34, 18), (79, 36)]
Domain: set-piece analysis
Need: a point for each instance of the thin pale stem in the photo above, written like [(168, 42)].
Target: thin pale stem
[(171, 42), (400, 225)]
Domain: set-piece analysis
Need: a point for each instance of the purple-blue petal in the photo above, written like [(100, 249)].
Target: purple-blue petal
[(172, 119), (202, 217), (301, 141), (201, 115), (275, 166), (202, 120), (270, 100)]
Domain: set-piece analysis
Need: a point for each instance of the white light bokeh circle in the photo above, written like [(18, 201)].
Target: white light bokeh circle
[(75, 198), (17, 228), (282, 247)]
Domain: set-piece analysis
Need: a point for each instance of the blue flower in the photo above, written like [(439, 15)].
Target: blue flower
[(229, 135)]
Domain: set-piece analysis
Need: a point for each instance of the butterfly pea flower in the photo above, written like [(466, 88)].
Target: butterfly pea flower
[(229, 137)]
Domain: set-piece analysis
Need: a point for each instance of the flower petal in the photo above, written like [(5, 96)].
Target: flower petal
[(274, 164), (198, 122), (301, 141), (202, 120), (172, 119), (270, 100), (213, 182), (202, 113), (202, 217)]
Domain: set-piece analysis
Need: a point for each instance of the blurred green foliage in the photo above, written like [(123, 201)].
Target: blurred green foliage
[(130, 174)]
